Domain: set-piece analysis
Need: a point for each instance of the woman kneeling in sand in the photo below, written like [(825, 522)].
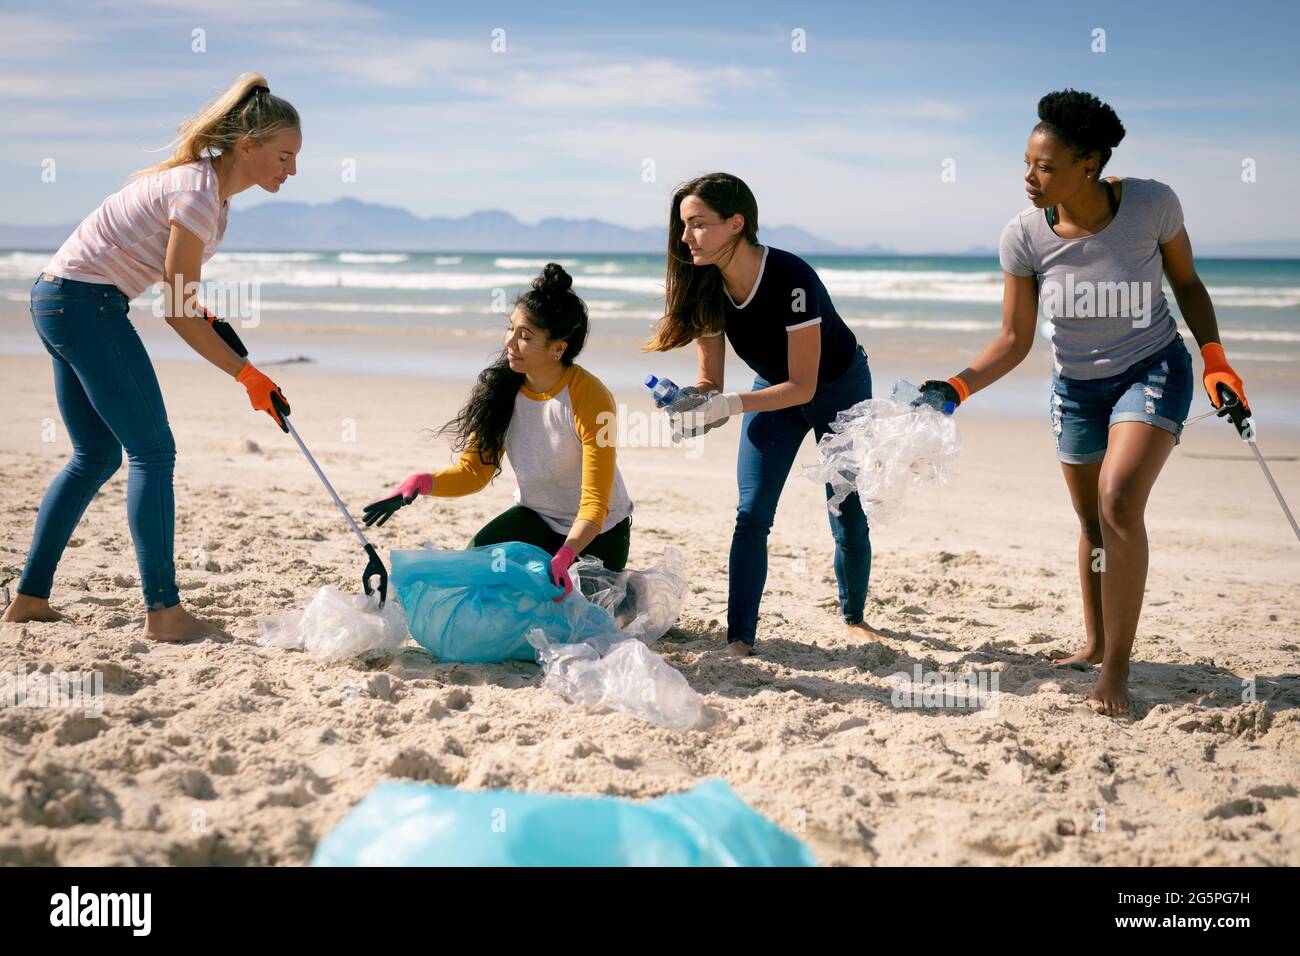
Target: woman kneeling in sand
[(555, 421), (1122, 383)]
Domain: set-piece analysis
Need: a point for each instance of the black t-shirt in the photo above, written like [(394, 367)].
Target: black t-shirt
[(787, 295)]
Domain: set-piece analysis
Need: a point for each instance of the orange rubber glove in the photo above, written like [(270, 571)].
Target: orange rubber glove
[(260, 389), (1217, 370)]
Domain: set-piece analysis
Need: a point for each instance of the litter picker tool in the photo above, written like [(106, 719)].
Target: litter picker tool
[(374, 567), (1230, 406)]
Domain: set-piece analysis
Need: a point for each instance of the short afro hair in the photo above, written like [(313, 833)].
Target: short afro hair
[(1082, 122)]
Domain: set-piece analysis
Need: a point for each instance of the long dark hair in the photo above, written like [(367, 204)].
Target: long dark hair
[(1082, 122), (552, 306), (693, 294)]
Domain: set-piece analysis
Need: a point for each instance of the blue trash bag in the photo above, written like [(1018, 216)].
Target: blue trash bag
[(419, 824), (477, 605)]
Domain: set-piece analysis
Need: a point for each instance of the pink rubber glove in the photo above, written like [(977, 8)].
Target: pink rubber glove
[(421, 484), (377, 512), (560, 570)]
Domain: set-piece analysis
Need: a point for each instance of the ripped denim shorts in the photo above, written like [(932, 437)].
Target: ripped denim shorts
[(1156, 390)]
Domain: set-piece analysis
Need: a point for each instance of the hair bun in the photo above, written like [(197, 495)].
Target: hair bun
[(553, 280), (1082, 118)]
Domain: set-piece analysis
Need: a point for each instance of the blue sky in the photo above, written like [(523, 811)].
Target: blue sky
[(846, 140)]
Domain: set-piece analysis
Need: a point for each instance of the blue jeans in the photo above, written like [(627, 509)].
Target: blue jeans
[(1156, 390), (109, 398), (769, 442)]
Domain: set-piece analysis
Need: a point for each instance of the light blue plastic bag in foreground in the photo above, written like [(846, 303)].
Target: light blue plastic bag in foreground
[(418, 824), (477, 605)]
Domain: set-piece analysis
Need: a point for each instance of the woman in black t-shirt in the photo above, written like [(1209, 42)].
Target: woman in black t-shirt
[(777, 316)]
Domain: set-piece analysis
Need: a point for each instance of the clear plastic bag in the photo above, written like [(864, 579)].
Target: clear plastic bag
[(478, 604), (644, 604), (627, 677), (334, 625), (420, 824), (881, 449), (497, 603)]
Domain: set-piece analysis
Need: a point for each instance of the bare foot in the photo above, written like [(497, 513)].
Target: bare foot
[(1110, 696), (24, 608), (740, 649), (862, 630), (1089, 655), (176, 624)]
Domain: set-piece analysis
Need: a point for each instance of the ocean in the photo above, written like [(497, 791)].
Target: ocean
[(419, 313)]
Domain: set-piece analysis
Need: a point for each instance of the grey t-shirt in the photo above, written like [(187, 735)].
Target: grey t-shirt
[(1102, 292)]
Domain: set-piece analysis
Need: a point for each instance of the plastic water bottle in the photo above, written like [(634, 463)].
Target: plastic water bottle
[(662, 390), (905, 393)]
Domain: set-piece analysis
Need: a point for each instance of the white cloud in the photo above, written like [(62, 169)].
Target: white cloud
[(655, 83), (560, 124), (235, 12)]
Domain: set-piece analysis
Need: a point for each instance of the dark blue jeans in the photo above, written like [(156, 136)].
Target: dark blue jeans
[(769, 442), (109, 398)]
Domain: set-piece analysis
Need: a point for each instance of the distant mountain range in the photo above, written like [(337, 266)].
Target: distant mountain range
[(355, 226), (350, 225)]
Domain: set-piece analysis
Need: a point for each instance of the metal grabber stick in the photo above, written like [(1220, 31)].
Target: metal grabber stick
[(375, 568), (1231, 407)]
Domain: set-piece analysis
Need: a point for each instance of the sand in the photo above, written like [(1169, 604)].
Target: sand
[(223, 752)]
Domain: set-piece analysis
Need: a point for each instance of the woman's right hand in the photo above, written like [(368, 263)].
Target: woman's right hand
[(938, 394), (410, 489), (261, 390), (689, 398), (716, 409)]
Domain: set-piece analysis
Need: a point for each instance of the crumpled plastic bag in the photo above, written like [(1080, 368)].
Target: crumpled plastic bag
[(627, 677), (477, 605), (420, 824), (497, 603), (881, 449), (644, 604), (335, 625)]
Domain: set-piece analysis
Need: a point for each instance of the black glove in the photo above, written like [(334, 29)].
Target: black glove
[(935, 393), (415, 485), (381, 510)]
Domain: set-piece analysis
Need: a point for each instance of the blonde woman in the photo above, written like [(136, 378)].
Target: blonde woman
[(161, 227)]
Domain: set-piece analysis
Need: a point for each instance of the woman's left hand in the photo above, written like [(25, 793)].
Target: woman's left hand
[(560, 570), (1219, 372), (716, 410)]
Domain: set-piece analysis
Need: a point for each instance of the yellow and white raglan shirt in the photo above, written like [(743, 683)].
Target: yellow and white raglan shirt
[(561, 445)]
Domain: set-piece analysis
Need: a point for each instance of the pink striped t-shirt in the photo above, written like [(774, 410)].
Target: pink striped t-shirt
[(124, 241)]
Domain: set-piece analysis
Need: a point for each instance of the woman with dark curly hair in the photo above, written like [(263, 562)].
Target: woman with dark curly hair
[(1092, 252), (556, 423)]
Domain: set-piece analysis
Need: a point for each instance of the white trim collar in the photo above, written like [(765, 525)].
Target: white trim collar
[(749, 298)]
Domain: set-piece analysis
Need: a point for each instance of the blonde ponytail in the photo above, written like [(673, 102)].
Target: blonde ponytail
[(241, 111)]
